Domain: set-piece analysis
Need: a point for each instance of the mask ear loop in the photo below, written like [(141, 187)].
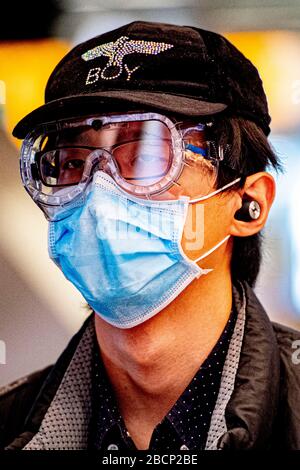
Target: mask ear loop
[(203, 198), (212, 250)]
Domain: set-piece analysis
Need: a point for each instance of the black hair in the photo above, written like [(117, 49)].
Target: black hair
[(247, 151)]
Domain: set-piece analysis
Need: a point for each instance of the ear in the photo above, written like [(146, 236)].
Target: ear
[(261, 188)]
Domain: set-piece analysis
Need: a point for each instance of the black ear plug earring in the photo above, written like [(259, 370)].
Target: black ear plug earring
[(249, 211)]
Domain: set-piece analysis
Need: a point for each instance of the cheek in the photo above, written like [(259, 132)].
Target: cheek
[(196, 181), (218, 217), (206, 225), (193, 237)]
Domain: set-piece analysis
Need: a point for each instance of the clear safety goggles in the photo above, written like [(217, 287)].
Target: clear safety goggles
[(149, 155)]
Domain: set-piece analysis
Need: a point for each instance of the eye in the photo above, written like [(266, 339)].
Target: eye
[(74, 164)]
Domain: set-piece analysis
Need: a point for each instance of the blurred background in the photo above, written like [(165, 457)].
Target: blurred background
[(39, 309)]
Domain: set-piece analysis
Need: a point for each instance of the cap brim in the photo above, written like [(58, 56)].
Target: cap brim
[(113, 100)]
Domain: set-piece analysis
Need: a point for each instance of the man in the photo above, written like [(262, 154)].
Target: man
[(148, 159)]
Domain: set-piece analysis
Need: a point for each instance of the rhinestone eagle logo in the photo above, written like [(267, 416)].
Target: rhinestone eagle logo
[(116, 53)]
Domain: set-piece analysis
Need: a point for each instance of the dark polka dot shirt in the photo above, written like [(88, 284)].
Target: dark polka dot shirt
[(186, 425)]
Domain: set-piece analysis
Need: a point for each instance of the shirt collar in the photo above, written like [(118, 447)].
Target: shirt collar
[(191, 414)]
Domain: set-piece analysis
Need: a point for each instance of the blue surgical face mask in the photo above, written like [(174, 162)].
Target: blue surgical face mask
[(124, 254)]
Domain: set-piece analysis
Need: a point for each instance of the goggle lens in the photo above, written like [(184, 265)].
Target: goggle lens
[(141, 152)]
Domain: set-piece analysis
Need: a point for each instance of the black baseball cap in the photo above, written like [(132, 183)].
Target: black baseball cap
[(177, 69)]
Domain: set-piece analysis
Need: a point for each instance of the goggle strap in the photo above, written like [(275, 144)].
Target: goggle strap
[(196, 149)]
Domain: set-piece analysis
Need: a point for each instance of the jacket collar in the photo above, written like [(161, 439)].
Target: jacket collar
[(251, 410)]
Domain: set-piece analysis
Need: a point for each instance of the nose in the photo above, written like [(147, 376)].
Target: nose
[(100, 159)]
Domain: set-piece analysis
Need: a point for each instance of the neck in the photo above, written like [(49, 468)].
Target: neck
[(150, 365)]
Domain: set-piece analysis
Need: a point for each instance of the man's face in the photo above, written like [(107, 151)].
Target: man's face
[(141, 161)]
